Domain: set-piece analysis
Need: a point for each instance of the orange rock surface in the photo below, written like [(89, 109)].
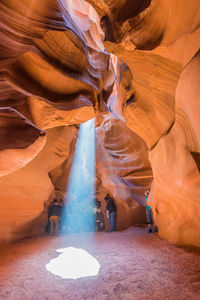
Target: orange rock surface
[(134, 65)]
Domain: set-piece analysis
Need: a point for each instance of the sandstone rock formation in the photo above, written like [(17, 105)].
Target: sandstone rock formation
[(143, 89), (159, 41), (51, 75), (123, 169), (20, 140)]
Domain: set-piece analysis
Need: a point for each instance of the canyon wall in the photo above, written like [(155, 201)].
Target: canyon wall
[(135, 67), (159, 41), (52, 74)]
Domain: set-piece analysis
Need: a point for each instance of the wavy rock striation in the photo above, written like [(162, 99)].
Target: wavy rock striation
[(159, 42), (52, 73), (56, 74)]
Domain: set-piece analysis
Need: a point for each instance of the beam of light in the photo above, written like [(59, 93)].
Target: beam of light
[(73, 263), (78, 214)]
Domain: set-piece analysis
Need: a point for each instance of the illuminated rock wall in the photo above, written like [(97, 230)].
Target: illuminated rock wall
[(55, 74), (123, 170), (160, 41)]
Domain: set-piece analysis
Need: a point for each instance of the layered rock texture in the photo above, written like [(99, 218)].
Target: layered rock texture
[(135, 67), (159, 42)]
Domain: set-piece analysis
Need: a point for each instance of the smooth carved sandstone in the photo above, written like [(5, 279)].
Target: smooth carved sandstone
[(26, 192), (55, 72), (159, 42), (123, 169), (178, 208), (47, 56), (23, 194), (46, 116), (20, 140)]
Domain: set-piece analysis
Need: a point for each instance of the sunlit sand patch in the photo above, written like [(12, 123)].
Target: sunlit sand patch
[(73, 263)]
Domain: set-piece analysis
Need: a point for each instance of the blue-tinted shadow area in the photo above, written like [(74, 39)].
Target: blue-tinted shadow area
[(78, 214)]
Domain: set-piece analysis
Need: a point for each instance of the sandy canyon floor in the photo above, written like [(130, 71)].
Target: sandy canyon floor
[(134, 265)]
